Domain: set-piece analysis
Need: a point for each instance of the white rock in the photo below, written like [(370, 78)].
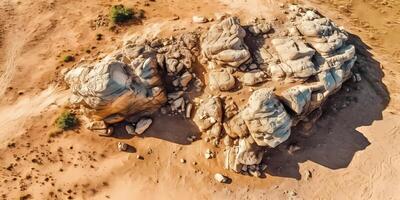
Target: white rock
[(189, 110), (199, 19), (122, 146), (143, 125), (220, 178), (130, 129)]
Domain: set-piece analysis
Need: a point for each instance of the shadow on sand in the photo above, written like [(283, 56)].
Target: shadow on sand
[(334, 139)]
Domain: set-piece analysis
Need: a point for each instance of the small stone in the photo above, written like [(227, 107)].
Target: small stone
[(143, 125), (291, 193), (183, 160), (255, 173), (293, 148), (308, 175), (220, 178), (122, 146), (130, 129), (253, 66), (139, 157), (199, 19), (228, 141), (358, 77)]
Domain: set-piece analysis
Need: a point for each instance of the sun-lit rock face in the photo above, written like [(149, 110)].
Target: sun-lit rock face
[(224, 43), (114, 87)]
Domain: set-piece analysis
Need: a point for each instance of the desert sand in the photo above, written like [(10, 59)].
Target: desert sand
[(352, 153)]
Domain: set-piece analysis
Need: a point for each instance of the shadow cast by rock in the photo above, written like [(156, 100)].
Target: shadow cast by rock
[(334, 139), (174, 129)]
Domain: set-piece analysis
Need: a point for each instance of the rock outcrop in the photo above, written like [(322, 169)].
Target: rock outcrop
[(224, 44), (295, 71), (111, 87)]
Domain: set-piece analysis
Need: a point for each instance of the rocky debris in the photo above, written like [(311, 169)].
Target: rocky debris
[(249, 153), (221, 80), (208, 116), (245, 157), (221, 178), (267, 120), (224, 44), (122, 146), (254, 77), (142, 125), (236, 127), (96, 125), (191, 138), (209, 154), (100, 127), (230, 108), (189, 108), (199, 19), (185, 79), (259, 26), (130, 129)]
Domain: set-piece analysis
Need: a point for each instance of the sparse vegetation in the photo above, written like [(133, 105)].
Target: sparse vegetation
[(119, 14), (68, 58), (66, 120)]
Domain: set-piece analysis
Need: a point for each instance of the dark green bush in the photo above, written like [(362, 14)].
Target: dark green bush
[(119, 14), (66, 120)]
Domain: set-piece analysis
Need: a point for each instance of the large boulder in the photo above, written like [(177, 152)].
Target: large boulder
[(295, 58), (114, 88), (224, 43), (221, 80), (267, 120)]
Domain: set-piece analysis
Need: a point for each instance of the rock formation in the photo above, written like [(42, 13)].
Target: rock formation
[(297, 67)]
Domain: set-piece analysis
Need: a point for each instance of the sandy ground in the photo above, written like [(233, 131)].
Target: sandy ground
[(353, 153)]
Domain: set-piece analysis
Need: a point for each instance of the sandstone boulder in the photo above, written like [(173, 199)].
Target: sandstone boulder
[(254, 77), (224, 43), (221, 80), (267, 120), (111, 88)]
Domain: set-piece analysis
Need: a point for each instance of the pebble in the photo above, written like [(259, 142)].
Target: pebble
[(199, 19), (220, 178)]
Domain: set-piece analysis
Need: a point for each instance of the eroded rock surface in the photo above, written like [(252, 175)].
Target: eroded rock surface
[(224, 45)]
